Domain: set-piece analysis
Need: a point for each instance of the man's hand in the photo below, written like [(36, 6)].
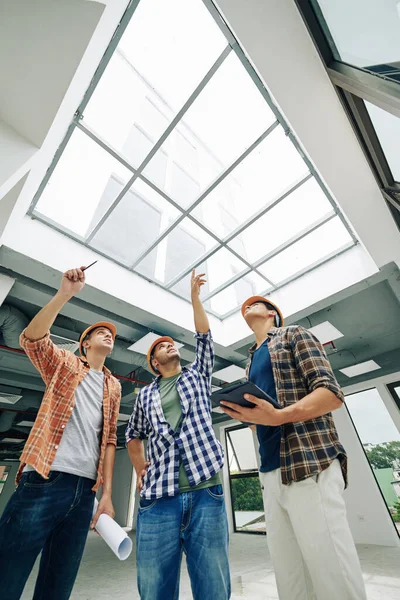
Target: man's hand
[(105, 507), (72, 282), (140, 473), (196, 282), (263, 412)]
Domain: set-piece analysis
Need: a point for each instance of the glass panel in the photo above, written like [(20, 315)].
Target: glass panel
[(219, 268), (247, 504), (265, 174), (366, 34), (84, 183), (160, 60), (177, 251), (297, 212), (137, 221), (312, 248), (387, 128), (227, 117), (233, 296), (381, 440), (247, 501), (243, 445)]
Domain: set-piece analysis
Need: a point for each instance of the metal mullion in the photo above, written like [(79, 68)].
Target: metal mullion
[(105, 146), (293, 240), (250, 70), (267, 208), (203, 195), (127, 165), (121, 27), (366, 130), (51, 167), (270, 255), (221, 244), (374, 88), (254, 266), (301, 273), (231, 167), (163, 137), (228, 283)]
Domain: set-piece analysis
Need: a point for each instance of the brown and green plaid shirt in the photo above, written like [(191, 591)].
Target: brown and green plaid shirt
[(300, 366)]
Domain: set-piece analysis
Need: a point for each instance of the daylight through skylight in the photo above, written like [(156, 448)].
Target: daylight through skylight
[(177, 158)]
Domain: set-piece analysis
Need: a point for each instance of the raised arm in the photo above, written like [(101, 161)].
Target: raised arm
[(201, 323), (72, 282), (35, 339)]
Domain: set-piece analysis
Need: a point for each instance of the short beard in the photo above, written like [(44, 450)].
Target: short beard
[(170, 360)]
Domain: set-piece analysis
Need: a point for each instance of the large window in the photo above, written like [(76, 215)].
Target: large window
[(246, 494), (359, 41), (381, 441)]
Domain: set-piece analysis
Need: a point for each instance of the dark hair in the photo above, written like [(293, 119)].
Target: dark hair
[(277, 319)]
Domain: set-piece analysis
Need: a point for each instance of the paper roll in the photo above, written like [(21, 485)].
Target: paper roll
[(113, 535)]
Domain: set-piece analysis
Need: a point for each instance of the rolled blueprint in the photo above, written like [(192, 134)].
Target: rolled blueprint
[(113, 535)]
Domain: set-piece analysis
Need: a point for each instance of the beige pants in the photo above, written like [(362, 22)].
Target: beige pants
[(309, 539)]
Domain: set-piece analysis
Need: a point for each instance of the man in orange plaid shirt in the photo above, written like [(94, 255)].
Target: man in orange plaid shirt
[(69, 454)]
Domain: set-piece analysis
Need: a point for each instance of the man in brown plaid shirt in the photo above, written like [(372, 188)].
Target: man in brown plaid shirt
[(303, 464)]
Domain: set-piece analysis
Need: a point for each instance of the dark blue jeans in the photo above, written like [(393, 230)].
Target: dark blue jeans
[(51, 516), (194, 523)]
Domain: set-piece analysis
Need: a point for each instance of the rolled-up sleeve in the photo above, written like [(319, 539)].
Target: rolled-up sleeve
[(204, 361), (312, 362), (138, 426), (43, 354), (116, 401)]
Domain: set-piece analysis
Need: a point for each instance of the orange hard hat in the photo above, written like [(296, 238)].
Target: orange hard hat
[(254, 299), (164, 338), (105, 324)]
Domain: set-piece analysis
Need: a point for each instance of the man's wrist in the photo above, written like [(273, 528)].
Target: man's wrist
[(63, 297), (287, 414)]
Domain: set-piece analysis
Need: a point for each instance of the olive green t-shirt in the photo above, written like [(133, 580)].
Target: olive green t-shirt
[(172, 409)]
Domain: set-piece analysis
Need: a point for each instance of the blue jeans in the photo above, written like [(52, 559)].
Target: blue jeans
[(51, 516), (194, 523)]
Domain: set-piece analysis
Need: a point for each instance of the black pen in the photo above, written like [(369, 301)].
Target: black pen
[(91, 264)]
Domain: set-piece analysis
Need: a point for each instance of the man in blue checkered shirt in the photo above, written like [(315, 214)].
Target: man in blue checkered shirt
[(181, 504)]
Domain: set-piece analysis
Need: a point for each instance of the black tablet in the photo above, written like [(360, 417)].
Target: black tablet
[(235, 393)]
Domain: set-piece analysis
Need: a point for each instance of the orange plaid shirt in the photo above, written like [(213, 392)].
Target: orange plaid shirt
[(62, 372)]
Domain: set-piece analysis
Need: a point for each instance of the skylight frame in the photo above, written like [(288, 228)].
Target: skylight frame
[(137, 173)]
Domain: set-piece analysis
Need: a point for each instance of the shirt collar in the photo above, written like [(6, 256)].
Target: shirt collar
[(107, 372), (270, 334)]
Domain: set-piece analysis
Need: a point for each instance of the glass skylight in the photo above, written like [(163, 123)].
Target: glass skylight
[(179, 159)]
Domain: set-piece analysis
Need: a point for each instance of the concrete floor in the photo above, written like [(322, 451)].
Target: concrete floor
[(103, 577)]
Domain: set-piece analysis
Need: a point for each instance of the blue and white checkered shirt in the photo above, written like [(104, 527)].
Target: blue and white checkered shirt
[(194, 442)]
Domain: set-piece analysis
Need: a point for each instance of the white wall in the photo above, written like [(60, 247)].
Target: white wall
[(122, 486), (368, 516)]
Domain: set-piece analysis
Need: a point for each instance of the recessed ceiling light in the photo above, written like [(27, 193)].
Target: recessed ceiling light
[(231, 373), (360, 368), (25, 424), (325, 332), (12, 440), (145, 342)]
